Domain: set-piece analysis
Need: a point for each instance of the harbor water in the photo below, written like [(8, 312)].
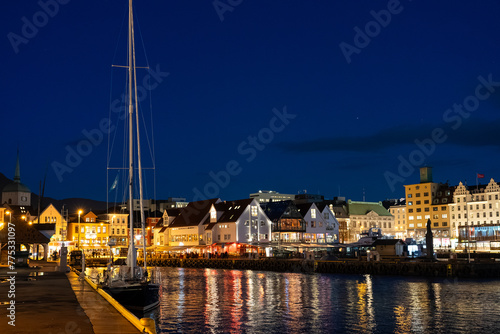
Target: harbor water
[(245, 301)]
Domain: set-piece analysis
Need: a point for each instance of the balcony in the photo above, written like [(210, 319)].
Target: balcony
[(289, 225)]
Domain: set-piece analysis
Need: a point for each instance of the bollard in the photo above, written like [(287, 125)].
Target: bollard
[(149, 325)]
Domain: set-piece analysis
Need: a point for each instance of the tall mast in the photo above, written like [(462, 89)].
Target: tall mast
[(139, 163), (131, 71)]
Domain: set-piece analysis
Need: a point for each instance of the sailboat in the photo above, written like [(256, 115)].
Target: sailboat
[(130, 285)]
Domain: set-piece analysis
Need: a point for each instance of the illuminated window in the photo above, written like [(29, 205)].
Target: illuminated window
[(254, 210), (313, 213)]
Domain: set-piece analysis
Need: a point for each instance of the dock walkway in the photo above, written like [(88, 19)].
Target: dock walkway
[(53, 302), (105, 318)]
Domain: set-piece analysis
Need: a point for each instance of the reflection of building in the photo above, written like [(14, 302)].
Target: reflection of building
[(366, 215), (264, 196)]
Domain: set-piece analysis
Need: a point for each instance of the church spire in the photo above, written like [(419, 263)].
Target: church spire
[(17, 175)]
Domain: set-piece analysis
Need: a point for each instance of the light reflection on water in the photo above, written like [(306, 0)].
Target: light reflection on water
[(235, 301)]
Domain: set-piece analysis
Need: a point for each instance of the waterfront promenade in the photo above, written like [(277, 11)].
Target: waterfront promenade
[(52, 302)]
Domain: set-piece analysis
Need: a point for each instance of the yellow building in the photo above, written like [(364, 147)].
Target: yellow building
[(399, 213), (93, 234), (50, 215), (425, 201)]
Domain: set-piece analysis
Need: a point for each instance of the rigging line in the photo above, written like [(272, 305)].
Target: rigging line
[(148, 140), (152, 150)]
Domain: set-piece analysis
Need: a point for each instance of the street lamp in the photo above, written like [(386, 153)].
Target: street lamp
[(79, 230), (8, 213)]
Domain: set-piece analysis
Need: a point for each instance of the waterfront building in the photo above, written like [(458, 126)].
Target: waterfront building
[(151, 222), (399, 212), (161, 231), (117, 221), (315, 223), (332, 224), (366, 215), (429, 200), (188, 229), (57, 232), (288, 225), (265, 196), (338, 206), (241, 226), (93, 233), (475, 215)]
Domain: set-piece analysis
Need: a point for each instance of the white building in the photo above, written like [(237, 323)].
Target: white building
[(332, 224), (265, 196), (476, 208), (240, 221), (315, 223)]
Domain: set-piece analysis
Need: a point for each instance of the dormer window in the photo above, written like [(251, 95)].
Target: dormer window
[(213, 214)]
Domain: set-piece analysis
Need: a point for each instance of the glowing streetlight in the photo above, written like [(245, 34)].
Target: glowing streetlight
[(79, 231), (8, 213)]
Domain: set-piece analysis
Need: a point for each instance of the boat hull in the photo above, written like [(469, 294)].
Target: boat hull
[(136, 297)]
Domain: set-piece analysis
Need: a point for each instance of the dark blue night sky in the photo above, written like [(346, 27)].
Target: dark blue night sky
[(335, 97)]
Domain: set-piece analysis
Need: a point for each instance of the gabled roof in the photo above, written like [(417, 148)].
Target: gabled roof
[(321, 206), (19, 210), (362, 208), (232, 210), (173, 212), (159, 223), (283, 209), (194, 213), (304, 208)]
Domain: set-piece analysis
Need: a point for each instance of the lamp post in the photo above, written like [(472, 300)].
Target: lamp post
[(79, 230)]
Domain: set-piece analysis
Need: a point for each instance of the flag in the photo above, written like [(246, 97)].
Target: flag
[(115, 183), (480, 176)]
